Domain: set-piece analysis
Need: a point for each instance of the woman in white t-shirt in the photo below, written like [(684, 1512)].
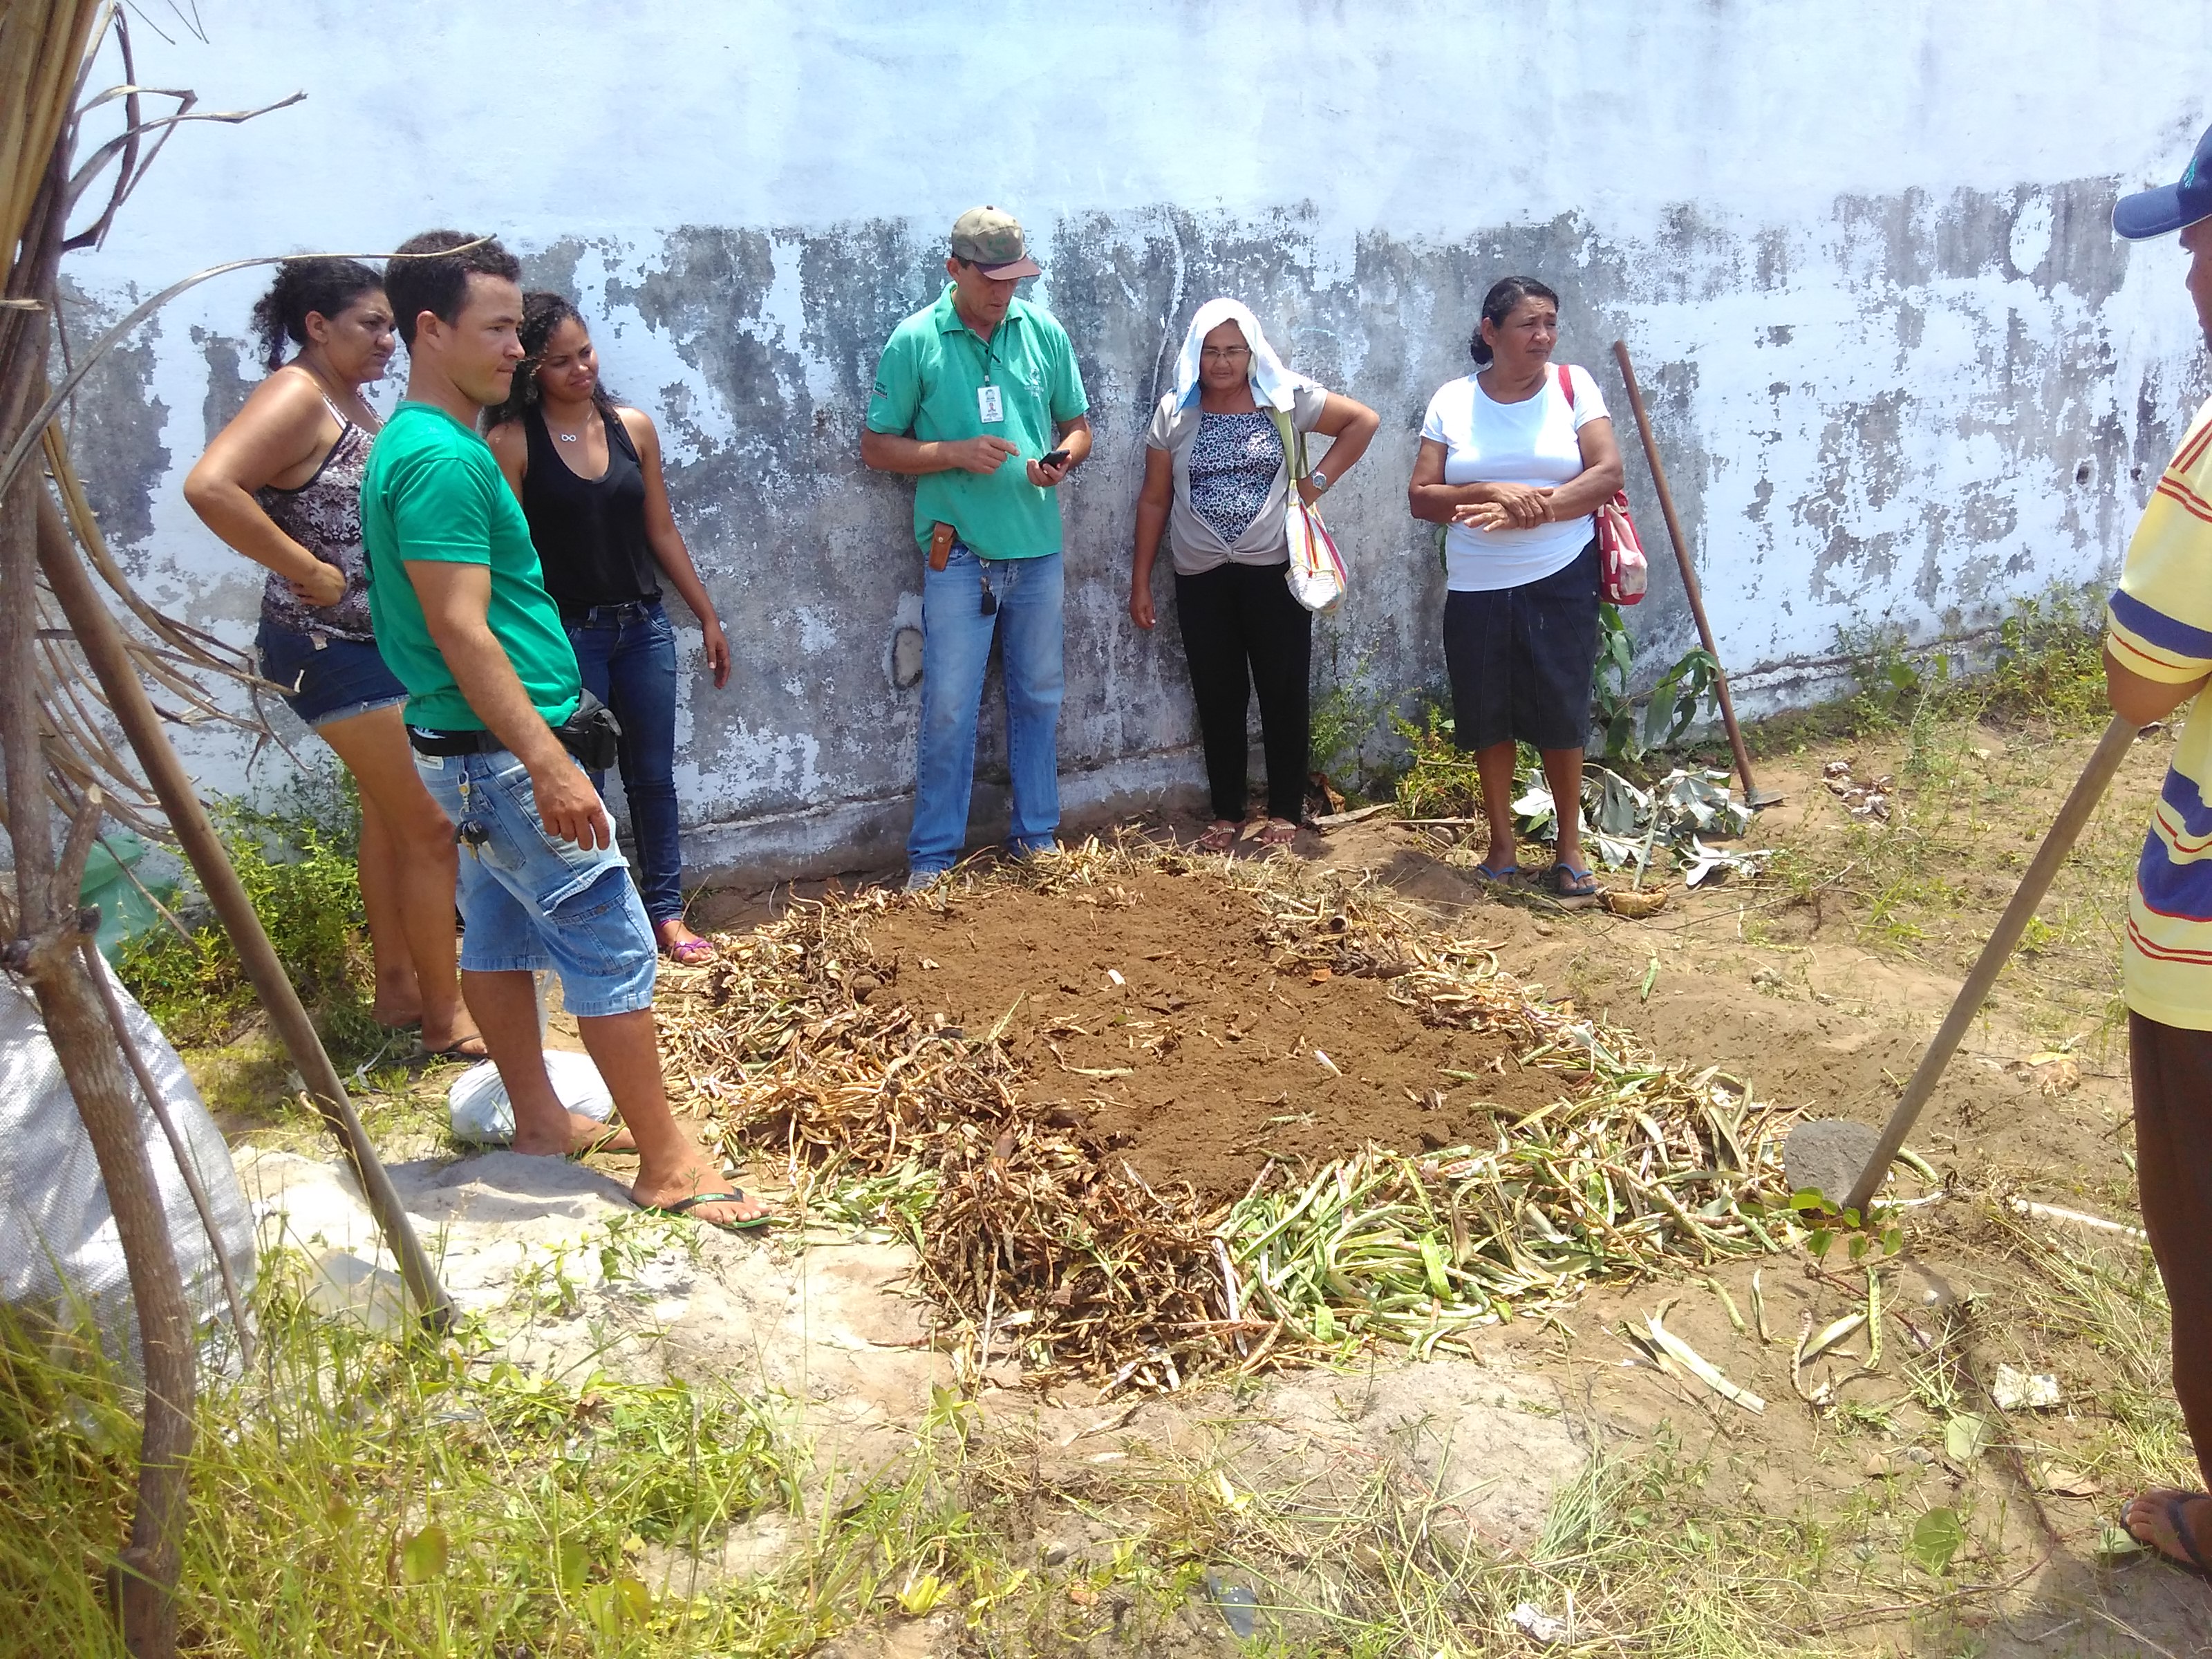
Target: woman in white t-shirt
[(1515, 458)]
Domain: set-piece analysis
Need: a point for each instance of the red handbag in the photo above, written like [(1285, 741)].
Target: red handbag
[(1622, 572)]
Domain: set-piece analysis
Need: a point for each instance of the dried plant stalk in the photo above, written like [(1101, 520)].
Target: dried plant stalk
[(1038, 1229)]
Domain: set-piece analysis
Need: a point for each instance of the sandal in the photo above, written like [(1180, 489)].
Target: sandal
[(467, 1050), (692, 952), (1508, 877), (1219, 838), (685, 1206), (2173, 1506), (1564, 881), (1277, 832)]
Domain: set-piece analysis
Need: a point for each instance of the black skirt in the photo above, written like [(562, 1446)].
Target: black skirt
[(1520, 658)]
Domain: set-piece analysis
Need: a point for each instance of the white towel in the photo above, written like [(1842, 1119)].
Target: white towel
[(1272, 383)]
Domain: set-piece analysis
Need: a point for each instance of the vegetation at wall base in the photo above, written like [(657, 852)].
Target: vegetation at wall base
[(1689, 687), (1343, 720), (2041, 666), (298, 864)]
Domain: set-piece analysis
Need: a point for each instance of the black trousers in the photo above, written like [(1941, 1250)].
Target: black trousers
[(2172, 1071), (1242, 630)]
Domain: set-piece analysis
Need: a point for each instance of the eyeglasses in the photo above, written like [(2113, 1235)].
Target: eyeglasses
[(1223, 354)]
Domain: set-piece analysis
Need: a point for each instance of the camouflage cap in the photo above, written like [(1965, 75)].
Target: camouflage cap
[(991, 239)]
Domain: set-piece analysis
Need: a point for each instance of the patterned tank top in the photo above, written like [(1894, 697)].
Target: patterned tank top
[(324, 516)]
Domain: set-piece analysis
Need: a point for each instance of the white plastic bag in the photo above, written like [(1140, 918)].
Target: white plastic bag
[(482, 1115), (60, 1256)]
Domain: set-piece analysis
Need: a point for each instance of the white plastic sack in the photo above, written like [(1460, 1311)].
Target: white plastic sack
[(61, 1258), (482, 1115)]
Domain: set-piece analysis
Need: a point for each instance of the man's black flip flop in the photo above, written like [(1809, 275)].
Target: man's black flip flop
[(454, 1051), (685, 1206), (2174, 1506)]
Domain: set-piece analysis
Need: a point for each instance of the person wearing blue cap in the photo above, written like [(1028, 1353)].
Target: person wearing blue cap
[(2157, 656)]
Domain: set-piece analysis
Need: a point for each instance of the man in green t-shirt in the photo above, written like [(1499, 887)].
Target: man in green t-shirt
[(463, 618), (977, 397)]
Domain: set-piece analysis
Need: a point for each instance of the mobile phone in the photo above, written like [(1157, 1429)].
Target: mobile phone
[(1055, 457)]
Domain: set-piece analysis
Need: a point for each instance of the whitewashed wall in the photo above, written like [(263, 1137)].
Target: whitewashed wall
[(1903, 371)]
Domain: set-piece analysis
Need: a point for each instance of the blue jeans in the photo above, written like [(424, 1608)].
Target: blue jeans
[(956, 648), (529, 902), (627, 655)]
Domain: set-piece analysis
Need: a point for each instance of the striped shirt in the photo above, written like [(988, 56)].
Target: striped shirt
[(2159, 625)]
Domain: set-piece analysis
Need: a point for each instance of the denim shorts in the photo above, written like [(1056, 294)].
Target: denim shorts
[(327, 682), (529, 902)]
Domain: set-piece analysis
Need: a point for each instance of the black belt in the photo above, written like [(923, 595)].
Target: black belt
[(590, 734), (626, 611), (426, 742)]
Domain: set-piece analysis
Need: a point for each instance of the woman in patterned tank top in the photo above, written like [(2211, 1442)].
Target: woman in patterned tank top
[(280, 484)]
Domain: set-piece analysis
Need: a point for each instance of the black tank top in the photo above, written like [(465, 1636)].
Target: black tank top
[(589, 533)]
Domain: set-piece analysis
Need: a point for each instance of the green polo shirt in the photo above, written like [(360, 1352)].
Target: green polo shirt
[(432, 493), (927, 388)]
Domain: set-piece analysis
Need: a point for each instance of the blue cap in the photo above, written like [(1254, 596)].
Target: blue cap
[(2167, 209)]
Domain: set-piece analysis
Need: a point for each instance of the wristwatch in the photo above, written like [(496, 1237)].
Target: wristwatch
[(1319, 480)]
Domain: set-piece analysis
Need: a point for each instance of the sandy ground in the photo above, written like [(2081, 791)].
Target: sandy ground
[(1152, 1013)]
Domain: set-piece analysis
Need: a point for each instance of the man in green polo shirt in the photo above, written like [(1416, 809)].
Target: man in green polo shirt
[(977, 398), (463, 618)]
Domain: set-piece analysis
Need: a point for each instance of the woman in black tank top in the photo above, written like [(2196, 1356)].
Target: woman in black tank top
[(588, 473)]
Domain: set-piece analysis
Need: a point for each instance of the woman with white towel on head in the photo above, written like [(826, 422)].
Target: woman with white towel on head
[(1216, 483)]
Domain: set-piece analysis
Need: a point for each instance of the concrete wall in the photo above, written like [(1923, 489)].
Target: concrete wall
[(1901, 370)]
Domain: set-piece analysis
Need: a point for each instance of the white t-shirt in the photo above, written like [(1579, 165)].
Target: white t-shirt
[(1530, 442)]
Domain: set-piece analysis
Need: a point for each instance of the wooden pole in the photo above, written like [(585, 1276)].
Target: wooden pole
[(45, 953), (1753, 794), (2089, 789), (100, 638)]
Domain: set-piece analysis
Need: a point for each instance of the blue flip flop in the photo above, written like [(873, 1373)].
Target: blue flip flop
[(1564, 881), (1504, 878)]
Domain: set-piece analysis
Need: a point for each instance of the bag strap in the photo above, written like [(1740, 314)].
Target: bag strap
[(1293, 442), (1566, 383)]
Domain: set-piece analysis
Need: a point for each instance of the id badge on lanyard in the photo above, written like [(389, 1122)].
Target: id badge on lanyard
[(990, 404)]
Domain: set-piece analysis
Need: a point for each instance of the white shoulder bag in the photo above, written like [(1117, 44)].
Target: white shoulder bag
[(1316, 575)]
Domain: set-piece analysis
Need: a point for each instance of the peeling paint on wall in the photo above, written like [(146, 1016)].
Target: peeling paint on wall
[(1908, 395)]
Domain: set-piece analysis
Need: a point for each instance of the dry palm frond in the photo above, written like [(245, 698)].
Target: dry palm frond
[(46, 53)]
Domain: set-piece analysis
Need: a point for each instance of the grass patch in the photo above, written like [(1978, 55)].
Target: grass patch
[(297, 864), (353, 1497), (1980, 763)]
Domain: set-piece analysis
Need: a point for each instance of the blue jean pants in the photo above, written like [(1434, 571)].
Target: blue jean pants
[(529, 902), (956, 650), (627, 655)]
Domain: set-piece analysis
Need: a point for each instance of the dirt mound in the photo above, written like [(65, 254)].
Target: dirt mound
[(1157, 1010)]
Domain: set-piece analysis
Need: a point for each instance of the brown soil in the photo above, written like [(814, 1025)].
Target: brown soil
[(1203, 1061)]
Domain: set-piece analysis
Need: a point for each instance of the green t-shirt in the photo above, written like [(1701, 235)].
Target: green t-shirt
[(432, 493), (926, 386)]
